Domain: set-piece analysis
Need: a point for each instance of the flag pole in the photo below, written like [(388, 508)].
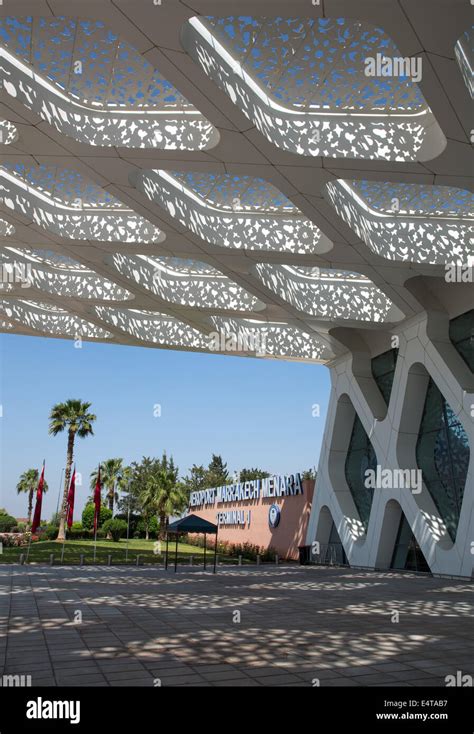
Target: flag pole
[(29, 546), (33, 521), (97, 501)]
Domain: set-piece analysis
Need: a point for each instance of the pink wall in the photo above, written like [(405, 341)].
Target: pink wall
[(285, 539)]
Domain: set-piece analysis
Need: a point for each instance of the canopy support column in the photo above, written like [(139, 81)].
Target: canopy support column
[(215, 553)]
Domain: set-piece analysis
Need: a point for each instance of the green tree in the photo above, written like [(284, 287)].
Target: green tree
[(217, 473), (88, 515), (194, 481), (28, 483), (116, 528), (7, 522), (140, 474), (74, 417), (162, 494), (114, 476), (247, 475)]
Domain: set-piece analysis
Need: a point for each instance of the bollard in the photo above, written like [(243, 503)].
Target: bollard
[(109, 559), (276, 559), (138, 560), (81, 559), (51, 559), (191, 561), (258, 559), (240, 560), (22, 559)]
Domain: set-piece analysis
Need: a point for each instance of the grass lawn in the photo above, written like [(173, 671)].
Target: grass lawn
[(40, 552)]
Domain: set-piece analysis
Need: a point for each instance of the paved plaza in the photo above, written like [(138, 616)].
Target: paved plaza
[(245, 626)]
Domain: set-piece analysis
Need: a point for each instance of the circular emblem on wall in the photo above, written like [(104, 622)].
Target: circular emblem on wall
[(274, 515)]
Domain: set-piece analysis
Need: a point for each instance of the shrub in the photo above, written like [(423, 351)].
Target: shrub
[(7, 522), (225, 548), (88, 515), (9, 540), (116, 527), (51, 532)]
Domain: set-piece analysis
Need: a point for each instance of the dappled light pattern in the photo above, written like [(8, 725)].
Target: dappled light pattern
[(73, 208), (313, 98), (432, 225), (51, 320), (296, 625), (328, 294), (204, 287), (91, 85), (280, 231)]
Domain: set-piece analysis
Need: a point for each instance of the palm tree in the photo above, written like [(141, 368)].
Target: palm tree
[(73, 416), (162, 494), (114, 476), (28, 482)]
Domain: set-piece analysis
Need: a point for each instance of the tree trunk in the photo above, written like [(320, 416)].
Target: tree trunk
[(30, 506), (67, 475), (110, 496), (162, 533)]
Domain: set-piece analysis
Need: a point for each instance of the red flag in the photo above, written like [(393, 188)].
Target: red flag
[(39, 502), (97, 501), (70, 499)]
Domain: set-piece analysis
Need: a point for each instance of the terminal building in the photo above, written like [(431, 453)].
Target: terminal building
[(271, 513), (276, 181)]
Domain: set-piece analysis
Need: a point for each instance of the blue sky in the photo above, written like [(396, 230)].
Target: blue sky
[(252, 412)]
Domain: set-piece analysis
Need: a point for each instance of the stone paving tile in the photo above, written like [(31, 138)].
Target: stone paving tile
[(297, 624)]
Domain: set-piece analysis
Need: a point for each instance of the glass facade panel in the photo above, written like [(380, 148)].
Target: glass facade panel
[(442, 453), (461, 333), (360, 457), (407, 554), (383, 371)]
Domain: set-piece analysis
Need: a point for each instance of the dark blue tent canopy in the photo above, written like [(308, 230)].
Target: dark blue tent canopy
[(192, 524)]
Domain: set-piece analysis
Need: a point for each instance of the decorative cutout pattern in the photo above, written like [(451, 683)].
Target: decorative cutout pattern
[(8, 132), (113, 224), (409, 134), (232, 229), (428, 237), (273, 340), (464, 57), (91, 86), (154, 327), (328, 294), (210, 289), (50, 320), (85, 284)]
